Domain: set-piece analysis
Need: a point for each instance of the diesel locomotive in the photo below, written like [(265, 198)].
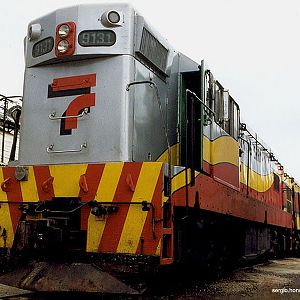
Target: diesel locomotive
[(134, 155)]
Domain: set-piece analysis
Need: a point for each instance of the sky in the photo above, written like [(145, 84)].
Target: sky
[(251, 46)]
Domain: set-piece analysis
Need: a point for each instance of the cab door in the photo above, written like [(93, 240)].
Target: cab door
[(191, 121)]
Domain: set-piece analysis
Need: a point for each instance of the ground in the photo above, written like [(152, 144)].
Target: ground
[(256, 282)]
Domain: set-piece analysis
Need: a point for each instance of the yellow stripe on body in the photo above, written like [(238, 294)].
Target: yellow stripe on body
[(174, 155), (297, 188), (66, 179), (179, 180), (223, 149), (136, 218), (105, 193), (158, 248), (297, 221), (29, 188), (288, 183), (260, 183), (206, 149), (5, 219)]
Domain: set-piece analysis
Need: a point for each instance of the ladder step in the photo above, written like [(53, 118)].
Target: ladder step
[(167, 231)]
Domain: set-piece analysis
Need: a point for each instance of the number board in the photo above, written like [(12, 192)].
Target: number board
[(42, 47), (96, 38)]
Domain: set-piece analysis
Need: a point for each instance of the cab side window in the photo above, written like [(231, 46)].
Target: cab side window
[(227, 112)]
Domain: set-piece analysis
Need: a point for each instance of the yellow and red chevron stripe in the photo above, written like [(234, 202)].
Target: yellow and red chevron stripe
[(224, 149), (221, 159), (257, 182), (129, 230)]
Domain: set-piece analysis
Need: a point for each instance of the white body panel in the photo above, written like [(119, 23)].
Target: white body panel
[(104, 129)]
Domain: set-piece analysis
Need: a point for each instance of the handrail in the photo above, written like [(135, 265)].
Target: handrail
[(61, 211), (248, 162), (52, 116), (210, 111), (165, 125), (8, 98), (138, 82), (49, 149)]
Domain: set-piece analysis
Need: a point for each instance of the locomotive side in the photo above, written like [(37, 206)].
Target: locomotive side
[(139, 155)]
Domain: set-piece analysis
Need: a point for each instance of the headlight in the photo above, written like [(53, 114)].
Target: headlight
[(63, 46), (63, 31), (65, 39)]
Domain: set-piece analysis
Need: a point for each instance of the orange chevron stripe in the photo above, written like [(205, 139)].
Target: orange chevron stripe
[(42, 174), (14, 193), (29, 187), (136, 217), (105, 193), (93, 176), (150, 245), (5, 219), (66, 179), (115, 222)]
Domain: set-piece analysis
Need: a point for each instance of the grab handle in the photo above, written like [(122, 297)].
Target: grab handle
[(50, 148), (53, 115)]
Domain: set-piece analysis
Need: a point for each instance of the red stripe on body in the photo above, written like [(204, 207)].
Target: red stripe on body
[(73, 82), (14, 193), (115, 222), (93, 176), (227, 172), (150, 244), (42, 173), (78, 104), (220, 198)]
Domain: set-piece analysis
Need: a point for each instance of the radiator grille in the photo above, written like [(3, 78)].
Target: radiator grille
[(153, 51)]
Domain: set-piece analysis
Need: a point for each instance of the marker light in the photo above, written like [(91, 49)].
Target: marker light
[(63, 31), (114, 17), (34, 31), (63, 46)]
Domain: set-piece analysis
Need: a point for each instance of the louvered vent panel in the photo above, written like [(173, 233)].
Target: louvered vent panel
[(153, 51)]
